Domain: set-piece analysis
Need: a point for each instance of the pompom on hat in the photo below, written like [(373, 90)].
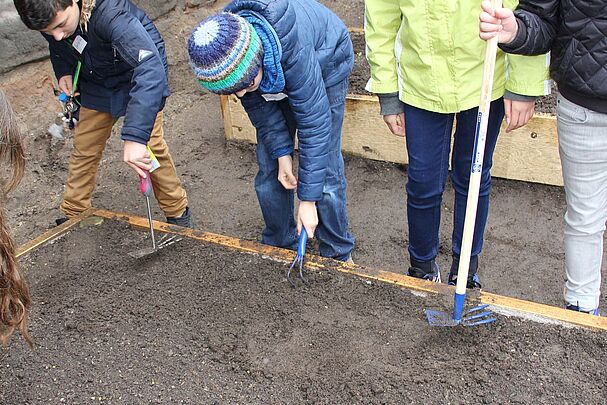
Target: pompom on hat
[(225, 53)]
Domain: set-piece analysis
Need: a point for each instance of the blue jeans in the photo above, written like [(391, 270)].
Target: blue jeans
[(428, 144), (277, 203)]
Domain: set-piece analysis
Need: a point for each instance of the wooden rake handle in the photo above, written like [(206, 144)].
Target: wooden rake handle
[(476, 168)]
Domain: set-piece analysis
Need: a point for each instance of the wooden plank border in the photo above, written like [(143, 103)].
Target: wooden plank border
[(528, 154), (511, 305), (53, 233)]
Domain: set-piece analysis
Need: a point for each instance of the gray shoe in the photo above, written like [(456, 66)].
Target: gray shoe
[(184, 220)]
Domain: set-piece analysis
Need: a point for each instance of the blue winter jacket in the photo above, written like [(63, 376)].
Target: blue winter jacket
[(124, 67), (316, 54)]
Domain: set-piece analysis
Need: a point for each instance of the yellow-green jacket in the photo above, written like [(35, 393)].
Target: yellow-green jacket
[(430, 53)]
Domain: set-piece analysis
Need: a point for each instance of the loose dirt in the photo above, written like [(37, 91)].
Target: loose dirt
[(125, 309), (198, 324), (523, 253)]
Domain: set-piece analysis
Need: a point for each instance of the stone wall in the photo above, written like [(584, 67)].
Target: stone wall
[(19, 45)]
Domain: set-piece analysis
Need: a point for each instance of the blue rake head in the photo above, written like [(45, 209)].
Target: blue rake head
[(478, 315), (299, 258)]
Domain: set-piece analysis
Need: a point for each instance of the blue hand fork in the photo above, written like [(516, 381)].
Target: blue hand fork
[(299, 258)]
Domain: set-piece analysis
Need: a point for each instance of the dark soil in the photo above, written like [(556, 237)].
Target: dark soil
[(523, 253), (164, 315), (198, 324)]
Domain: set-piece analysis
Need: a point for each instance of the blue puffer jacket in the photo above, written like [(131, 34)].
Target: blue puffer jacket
[(316, 54), (124, 67)]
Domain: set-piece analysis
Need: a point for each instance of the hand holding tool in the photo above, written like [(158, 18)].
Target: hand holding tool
[(477, 315), (299, 258), (145, 186)]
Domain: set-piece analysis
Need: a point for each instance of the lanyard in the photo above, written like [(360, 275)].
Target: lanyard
[(76, 75), (78, 66)]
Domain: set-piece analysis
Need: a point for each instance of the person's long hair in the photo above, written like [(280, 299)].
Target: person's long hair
[(15, 300)]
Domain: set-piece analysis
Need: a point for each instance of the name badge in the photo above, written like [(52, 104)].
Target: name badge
[(79, 44), (274, 97)]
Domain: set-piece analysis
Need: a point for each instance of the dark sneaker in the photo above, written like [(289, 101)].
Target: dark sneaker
[(576, 308), (61, 220), (473, 281), (426, 271), (184, 220)]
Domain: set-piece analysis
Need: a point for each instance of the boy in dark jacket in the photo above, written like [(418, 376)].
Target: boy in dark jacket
[(110, 54), (289, 62), (576, 34)]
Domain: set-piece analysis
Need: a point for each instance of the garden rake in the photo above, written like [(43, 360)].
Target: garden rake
[(299, 258), (480, 314), (145, 186)]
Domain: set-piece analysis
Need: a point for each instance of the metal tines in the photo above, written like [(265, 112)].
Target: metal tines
[(165, 240), (478, 315)]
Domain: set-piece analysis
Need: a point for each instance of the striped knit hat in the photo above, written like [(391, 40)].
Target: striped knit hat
[(225, 53)]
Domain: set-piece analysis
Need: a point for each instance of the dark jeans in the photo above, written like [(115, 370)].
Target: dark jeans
[(277, 203), (428, 143)]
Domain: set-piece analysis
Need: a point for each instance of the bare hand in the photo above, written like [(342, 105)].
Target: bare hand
[(65, 85), (307, 217), (285, 172), (518, 113), (137, 156), (500, 21), (396, 123)]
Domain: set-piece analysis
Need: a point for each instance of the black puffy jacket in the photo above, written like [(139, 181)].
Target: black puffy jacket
[(575, 31)]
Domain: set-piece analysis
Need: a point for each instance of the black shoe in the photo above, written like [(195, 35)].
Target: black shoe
[(427, 271), (473, 280), (184, 220), (61, 220)]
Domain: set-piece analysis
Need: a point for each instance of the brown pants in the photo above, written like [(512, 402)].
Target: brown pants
[(92, 133)]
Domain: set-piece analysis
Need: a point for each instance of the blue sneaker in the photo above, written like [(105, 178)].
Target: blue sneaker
[(427, 271), (573, 307)]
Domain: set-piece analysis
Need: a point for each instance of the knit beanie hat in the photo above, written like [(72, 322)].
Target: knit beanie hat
[(225, 53)]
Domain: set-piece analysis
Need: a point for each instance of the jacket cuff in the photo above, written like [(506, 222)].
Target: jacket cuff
[(390, 104), (280, 152), (309, 194), (508, 95), (132, 138), (519, 39)]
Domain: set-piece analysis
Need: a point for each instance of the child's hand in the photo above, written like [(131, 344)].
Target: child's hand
[(396, 123), (137, 156), (65, 84), (518, 113), (500, 21), (308, 217), (285, 172)]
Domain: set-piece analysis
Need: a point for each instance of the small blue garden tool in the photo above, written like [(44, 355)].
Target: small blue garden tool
[(299, 258), (480, 314)]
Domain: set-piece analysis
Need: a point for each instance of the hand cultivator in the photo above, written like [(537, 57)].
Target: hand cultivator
[(299, 258), (477, 315), (145, 186)]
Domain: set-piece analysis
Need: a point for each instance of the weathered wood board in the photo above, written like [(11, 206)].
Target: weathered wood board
[(528, 154)]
